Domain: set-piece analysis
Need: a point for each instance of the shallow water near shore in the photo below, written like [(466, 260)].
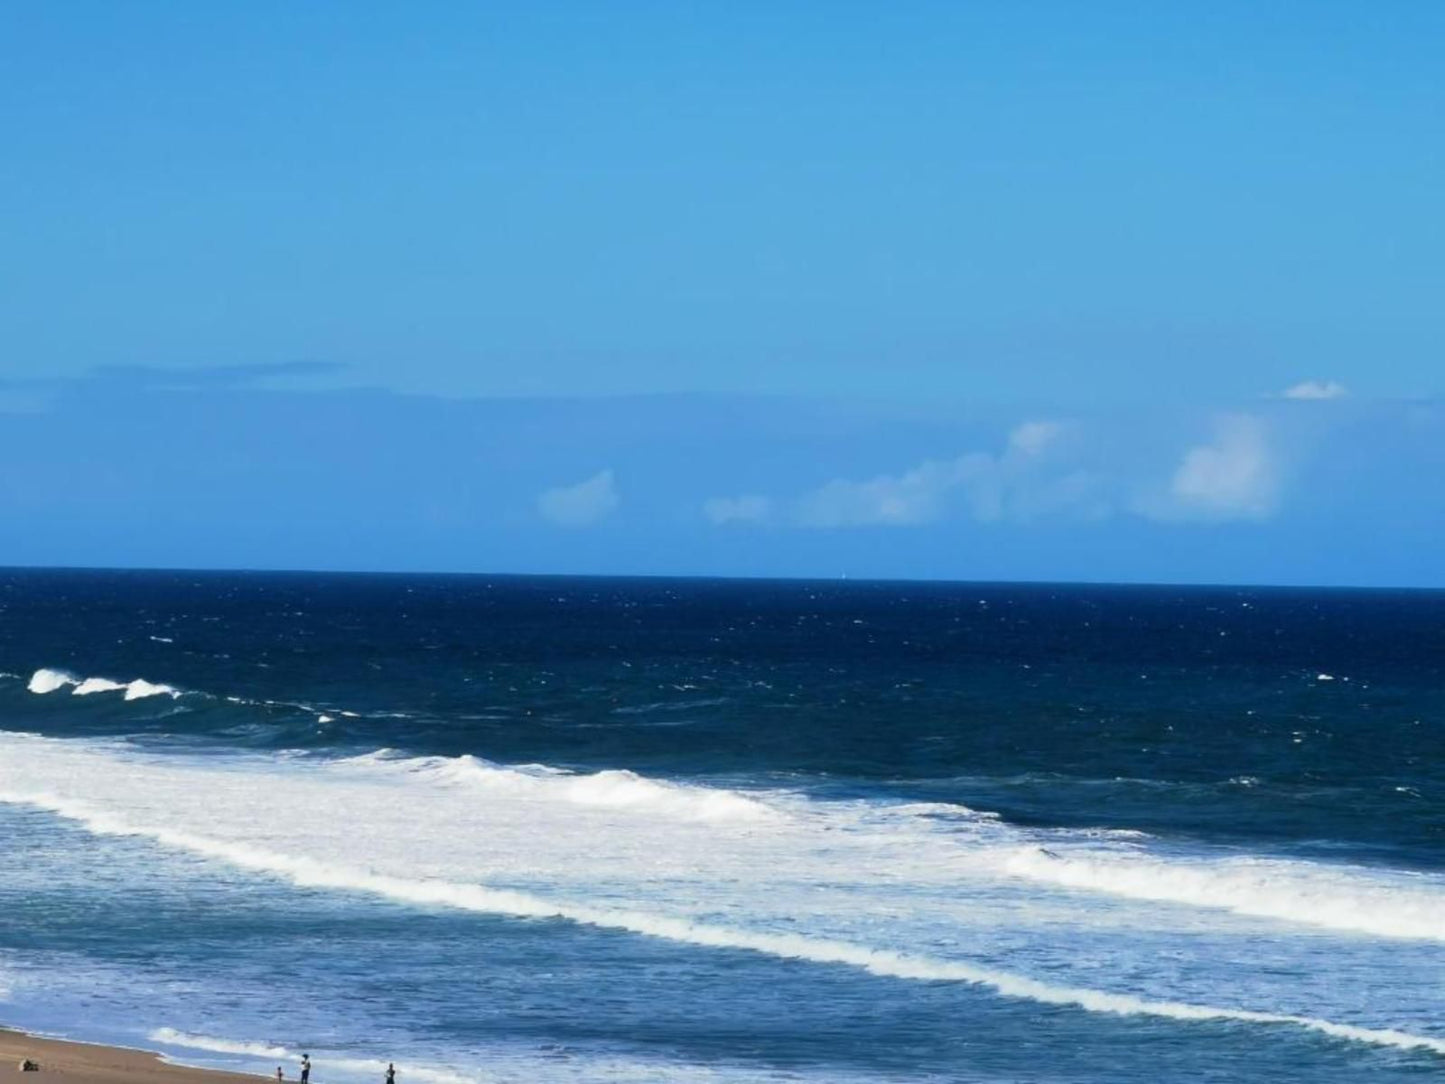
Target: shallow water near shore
[(548, 829)]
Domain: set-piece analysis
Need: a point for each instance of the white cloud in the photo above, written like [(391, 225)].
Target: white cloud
[(902, 500), (1034, 438), (1012, 485), (1045, 472), (1316, 389), (745, 509), (1235, 476), (583, 504)]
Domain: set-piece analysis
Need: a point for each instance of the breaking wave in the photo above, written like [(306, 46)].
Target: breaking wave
[(46, 680), (306, 872), (1386, 905), (612, 789), (171, 1037)]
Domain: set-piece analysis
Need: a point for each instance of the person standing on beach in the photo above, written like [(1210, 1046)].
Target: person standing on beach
[(390, 1073), (280, 1076), (305, 1069)]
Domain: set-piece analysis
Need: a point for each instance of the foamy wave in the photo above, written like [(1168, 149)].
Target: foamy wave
[(171, 1037), (97, 685), (616, 789), (140, 688), (479, 898), (1263, 888), (242, 1048), (46, 680)]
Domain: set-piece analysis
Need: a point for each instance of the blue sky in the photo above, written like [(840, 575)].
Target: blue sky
[(1043, 291)]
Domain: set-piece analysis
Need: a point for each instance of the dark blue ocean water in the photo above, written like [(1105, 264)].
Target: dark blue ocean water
[(582, 829)]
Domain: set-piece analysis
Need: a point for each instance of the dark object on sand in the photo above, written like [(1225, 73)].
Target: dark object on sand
[(28, 1066)]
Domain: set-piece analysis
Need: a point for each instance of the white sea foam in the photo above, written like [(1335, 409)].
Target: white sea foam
[(171, 1037), (1383, 904), (373, 1067), (140, 688), (46, 680), (262, 855), (617, 789), (917, 892), (97, 685), (500, 1064), (479, 898)]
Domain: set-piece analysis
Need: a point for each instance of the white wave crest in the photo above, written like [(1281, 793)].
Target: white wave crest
[(479, 898), (46, 680), (140, 688), (171, 1037), (1263, 888), (97, 685), (615, 789)]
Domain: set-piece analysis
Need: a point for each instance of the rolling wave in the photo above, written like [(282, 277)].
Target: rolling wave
[(612, 789), (46, 680), (1389, 904), (1385, 904), (938, 844), (306, 872), (516, 842)]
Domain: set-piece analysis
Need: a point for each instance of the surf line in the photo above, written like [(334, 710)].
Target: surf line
[(306, 873)]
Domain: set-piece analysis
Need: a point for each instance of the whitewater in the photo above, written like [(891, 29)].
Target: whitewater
[(644, 857), (229, 802)]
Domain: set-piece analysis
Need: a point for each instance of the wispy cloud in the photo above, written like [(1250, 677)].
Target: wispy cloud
[(1034, 438), (1316, 389), (748, 508), (1234, 476), (1022, 482), (910, 499), (1047, 471), (581, 505)]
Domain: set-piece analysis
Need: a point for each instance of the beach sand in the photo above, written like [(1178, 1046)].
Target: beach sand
[(82, 1063)]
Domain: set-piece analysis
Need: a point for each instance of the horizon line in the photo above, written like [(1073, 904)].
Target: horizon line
[(717, 577)]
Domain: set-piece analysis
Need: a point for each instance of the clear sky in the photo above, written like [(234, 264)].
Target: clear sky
[(1025, 290)]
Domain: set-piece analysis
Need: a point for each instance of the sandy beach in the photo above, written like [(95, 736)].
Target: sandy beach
[(84, 1063)]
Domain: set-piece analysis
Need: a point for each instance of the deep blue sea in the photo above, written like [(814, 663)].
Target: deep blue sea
[(550, 829)]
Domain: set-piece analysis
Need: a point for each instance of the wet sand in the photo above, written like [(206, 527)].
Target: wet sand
[(83, 1063)]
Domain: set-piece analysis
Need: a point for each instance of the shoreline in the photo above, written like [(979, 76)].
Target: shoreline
[(70, 1061)]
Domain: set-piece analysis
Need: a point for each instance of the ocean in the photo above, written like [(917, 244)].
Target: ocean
[(551, 829)]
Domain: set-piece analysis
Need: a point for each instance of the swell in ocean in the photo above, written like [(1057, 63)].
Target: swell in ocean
[(545, 883)]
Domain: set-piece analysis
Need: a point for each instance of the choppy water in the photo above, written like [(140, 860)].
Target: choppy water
[(573, 830)]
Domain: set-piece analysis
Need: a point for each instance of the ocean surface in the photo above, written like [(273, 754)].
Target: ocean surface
[(550, 829)]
